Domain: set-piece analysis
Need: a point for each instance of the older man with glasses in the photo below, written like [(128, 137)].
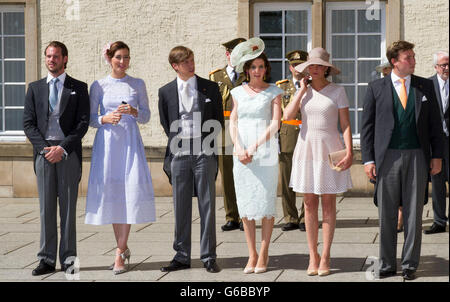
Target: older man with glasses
[(439, 193)]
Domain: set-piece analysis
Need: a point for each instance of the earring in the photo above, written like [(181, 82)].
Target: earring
[(247, 77), (264, 77)]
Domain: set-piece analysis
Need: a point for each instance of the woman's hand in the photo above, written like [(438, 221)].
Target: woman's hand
[(346, 162), (243, 156), (303, 85), (127, 109), (112, 118)]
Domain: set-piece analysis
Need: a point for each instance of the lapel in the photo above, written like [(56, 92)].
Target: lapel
[(437, 91), (43, 95), (240, 79), (387, 96), (65, 95), (173, 99), (226, 78), (201, 92), (417, 86)]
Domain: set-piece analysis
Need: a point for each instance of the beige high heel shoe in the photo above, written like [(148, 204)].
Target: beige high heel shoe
[(324, 272), (259, 270), (125, 256), (313, 272)]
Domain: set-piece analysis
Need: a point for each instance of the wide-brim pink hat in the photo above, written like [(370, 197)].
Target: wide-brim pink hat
[(318, 56)]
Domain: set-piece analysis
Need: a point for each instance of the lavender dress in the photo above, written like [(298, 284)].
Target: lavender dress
[(120, 187)]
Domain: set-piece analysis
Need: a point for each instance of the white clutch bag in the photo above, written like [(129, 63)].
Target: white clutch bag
[(335, 157)]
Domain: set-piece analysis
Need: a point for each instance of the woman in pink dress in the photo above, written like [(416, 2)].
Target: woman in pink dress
[(322, 104)]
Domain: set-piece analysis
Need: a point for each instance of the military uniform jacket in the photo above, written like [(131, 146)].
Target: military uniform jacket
[(288, 133), (222, 79), (220, 76)]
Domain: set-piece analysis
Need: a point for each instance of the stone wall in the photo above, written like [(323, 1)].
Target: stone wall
[(151, 29), (425, 23)]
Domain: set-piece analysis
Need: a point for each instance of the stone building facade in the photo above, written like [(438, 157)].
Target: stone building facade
[(152, 28)]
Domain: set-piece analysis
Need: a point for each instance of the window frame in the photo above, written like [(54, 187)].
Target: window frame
[(359, 5), (11, 135), (283, 6)]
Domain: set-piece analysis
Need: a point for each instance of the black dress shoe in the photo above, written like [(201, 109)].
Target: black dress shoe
[(42, 269), (65, 266), (175, 266), (211, 266), (435, 228), (230, 225), (290, 226), (241, 226), (408, 274), (302, 227), (385, 274)]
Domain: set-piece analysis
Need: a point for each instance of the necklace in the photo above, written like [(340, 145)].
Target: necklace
[(255, 89)]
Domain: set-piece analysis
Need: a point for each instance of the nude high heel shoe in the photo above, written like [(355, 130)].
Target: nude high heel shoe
[(259, 270), (313, 272)]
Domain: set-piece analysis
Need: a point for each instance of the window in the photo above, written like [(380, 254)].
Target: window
[(283, 27), (12, 70), (356, 42)]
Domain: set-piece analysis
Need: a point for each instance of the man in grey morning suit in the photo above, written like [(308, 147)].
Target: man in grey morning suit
[(55, 118), (190, 111), (401, 142), (439, 193)]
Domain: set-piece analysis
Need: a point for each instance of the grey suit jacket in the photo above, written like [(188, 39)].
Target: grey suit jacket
[(378, 120)]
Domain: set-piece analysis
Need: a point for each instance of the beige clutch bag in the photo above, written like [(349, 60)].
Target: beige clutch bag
[(335, 157)]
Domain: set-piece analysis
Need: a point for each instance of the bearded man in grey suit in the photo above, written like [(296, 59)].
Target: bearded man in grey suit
[(401, 142), (55, 118)]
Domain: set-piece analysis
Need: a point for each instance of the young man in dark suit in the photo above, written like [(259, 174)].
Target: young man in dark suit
[(401, 142), (55, 118), (190, 111)]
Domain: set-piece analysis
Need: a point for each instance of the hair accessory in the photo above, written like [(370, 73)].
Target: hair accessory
[(105, 53)]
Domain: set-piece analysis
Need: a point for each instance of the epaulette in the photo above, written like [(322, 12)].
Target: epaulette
[(281, 81), (214, 71)]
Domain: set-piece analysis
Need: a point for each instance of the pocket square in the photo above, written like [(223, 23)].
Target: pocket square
[(73, 93), (207, 100), (424, 99)]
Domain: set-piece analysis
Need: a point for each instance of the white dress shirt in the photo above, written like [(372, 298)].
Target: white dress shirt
[(398, 85), (443, 89), (230, 72), (192, 81)]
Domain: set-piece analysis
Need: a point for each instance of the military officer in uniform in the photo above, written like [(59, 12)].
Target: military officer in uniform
[(227, 78), (288, 138)]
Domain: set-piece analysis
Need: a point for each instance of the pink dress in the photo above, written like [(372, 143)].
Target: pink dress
[(318, 137)]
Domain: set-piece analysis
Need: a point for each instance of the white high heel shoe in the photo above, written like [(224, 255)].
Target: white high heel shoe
[(125, 256)]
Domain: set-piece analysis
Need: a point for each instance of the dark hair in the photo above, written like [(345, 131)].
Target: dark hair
[(60, 45), (395, 48), (115, 47), (179, 54), (262, 56)]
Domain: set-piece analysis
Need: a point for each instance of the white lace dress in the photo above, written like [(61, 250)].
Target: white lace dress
[(318, 137), (256, 182)]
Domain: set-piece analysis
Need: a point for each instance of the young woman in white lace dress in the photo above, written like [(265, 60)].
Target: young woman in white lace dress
[(255, 120), (322, 104)]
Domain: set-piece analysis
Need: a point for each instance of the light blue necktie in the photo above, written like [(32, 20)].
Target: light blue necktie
[(53, 98)]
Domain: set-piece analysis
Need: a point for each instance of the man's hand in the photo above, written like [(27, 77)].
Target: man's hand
[(435, 166), (370, 171), (54, 154)]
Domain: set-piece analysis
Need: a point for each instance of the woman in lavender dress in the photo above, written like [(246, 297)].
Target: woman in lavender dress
[(120, 190)]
